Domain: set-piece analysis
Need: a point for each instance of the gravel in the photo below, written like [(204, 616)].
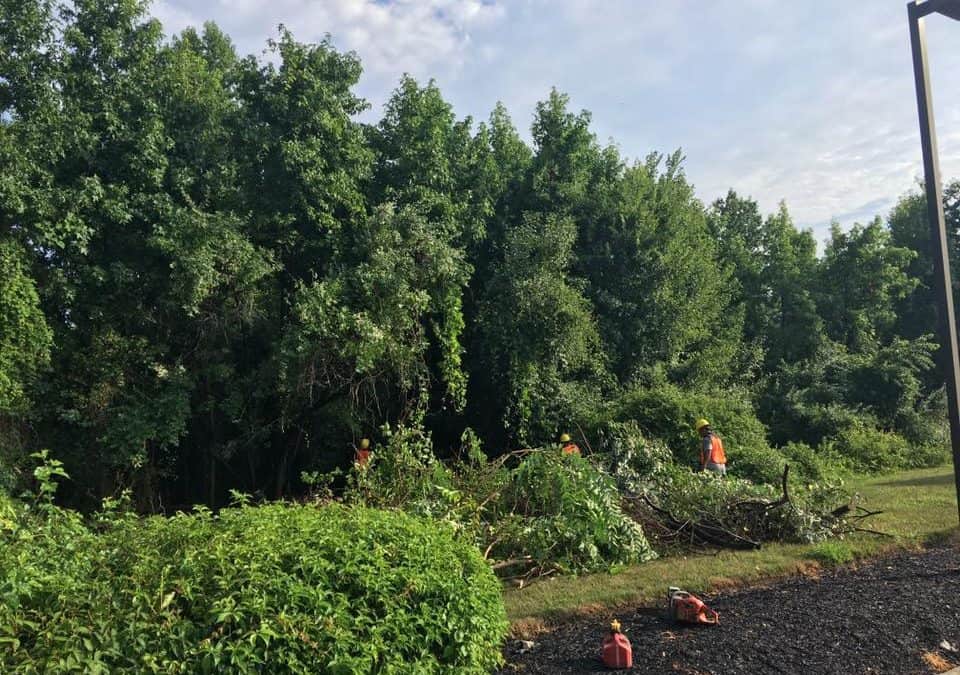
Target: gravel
[(892, 615)]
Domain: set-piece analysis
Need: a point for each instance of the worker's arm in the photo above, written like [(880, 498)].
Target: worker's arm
[(706, 448)]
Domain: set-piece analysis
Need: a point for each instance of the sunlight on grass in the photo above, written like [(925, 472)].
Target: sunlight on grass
[(918, 506)]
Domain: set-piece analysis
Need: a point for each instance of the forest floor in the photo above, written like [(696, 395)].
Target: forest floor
[(895, 614)]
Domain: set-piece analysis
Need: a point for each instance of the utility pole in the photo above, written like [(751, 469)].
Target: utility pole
[(942, 283)]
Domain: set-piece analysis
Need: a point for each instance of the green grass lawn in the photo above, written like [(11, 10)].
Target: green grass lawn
[(918, 507)]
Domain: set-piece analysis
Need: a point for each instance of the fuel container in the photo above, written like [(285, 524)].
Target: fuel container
[(617, 652)]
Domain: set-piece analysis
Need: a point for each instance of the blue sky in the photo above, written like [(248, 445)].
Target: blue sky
[(811, 102)]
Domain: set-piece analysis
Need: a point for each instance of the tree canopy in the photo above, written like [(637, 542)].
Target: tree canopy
[(213, 276)]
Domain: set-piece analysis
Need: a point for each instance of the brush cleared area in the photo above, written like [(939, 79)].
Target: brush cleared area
[(918, 507)]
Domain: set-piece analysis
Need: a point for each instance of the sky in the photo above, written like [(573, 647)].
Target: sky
[(809, 102)]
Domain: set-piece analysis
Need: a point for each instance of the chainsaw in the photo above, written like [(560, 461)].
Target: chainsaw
[(684, 607)]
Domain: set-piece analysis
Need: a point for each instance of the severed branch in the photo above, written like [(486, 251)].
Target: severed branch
[(510, 563), (708, 532)]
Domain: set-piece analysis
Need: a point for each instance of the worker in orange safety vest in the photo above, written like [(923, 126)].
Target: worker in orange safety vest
[(568, 446), (363, 453), (712, 456)]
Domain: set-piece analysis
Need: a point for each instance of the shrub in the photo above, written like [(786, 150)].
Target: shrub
[(276, 588), (928, 455), (563, 511), (808, 465), (869, 450), (759, 464), (668, 412), (634, 460)]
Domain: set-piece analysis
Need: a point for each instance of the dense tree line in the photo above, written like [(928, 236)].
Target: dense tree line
[(212, 276)]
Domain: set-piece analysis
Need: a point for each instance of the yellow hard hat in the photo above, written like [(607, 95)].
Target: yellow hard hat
[(701, 423), (564, 438), (364, 443)]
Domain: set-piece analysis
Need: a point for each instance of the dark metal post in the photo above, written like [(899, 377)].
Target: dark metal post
[(938, 232)]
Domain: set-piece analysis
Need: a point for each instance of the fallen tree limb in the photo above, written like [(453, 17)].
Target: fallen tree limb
[(868, 531), (510, 563), (707, 532)]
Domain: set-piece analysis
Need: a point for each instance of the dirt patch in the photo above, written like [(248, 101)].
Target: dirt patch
[(937, 663), (886, 616)]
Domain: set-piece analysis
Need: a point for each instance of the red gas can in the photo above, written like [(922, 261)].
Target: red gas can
[(617, 652)]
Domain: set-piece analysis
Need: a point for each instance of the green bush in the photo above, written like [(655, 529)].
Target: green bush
[(669, 412), (928, 455), (563, 511), (808, 465), (868, 450), (276, 588), (633, 459), (759, 464)]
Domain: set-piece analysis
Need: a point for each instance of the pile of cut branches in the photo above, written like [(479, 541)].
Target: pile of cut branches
[(702, 510)]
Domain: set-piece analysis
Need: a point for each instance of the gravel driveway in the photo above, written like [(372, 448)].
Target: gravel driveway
[(899, 614)]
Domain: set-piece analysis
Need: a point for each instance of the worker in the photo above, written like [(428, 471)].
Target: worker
[(568, 446), (363, 453), (712, 457)]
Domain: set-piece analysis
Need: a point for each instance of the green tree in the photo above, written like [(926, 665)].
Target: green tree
[(541, 348), (862, 279), (663, 298), (910, 228), (775, 265), (24, 335), (790, 315)]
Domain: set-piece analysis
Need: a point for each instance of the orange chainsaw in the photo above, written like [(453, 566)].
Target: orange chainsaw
[(685, 607)]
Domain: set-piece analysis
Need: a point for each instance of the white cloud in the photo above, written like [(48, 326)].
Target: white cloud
[(809, 102), (390, 37)]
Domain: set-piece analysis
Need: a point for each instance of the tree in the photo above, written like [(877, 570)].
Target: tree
[(541, 348), (862, 279), (910, 228), (24, 335), (664, 300)]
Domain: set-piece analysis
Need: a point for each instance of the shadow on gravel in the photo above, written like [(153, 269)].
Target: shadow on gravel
[(896, 614)]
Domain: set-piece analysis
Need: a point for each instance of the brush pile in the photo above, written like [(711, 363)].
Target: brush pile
[(697, 509)]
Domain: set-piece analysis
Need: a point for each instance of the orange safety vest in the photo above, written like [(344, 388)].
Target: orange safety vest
[(716, 454), (363, 456), (571, 449)]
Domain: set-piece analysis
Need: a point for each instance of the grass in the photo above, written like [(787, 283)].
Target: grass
[(919, 507)]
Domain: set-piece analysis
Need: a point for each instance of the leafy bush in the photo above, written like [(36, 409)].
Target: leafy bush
[(759, 464), (868, 450), (634, 460), (277, 588), (839, 390), (562, 510), (668, 412), (928, 455), (809, 465)]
